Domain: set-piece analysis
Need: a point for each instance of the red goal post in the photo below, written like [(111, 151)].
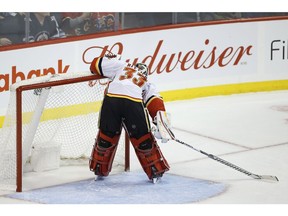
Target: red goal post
[(73, 86)]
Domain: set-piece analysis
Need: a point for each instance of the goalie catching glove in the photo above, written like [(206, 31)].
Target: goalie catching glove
[(163, 123)]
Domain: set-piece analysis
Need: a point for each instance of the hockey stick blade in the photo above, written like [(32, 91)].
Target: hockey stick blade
[(220, 160), (265, 177)]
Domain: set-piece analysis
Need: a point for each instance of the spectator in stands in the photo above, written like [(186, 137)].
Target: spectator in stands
[(103, 21), (140, 20), (44, 26), (184, 17), (227, 16), (219, 16), (12, 28), (88, 23), (74, 23), (263, 14)]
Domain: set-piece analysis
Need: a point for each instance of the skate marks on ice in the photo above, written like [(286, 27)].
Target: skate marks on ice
[(126, 188)]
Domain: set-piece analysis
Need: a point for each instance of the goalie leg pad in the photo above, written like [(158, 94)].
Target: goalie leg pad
[(150, 156), (103, 154)]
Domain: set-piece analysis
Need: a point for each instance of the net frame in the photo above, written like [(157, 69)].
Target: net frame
[(19, 89)]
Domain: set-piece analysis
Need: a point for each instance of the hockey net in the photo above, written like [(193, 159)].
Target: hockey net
[(52, 121)]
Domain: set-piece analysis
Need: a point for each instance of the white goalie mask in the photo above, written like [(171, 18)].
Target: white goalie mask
[(143, 69)]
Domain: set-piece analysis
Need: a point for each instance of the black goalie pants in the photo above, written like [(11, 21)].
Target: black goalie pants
[(116, 112)]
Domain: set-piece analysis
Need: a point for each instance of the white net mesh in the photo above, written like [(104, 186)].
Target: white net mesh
[(66, 115)]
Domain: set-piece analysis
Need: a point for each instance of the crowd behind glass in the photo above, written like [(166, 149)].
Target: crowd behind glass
[(17, 28)]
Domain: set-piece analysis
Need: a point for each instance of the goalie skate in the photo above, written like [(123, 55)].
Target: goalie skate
[(156, 180), (99, 178), (155, 177)]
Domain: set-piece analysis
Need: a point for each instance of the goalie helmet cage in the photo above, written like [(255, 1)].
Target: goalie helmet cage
[(50, 110)]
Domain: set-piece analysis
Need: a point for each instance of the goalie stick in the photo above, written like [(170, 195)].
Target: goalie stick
[(255, 176)]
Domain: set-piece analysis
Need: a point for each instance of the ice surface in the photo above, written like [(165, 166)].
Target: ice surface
[(248, 130)]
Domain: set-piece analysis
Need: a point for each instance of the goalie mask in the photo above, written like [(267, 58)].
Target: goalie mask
[(143, 69)]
